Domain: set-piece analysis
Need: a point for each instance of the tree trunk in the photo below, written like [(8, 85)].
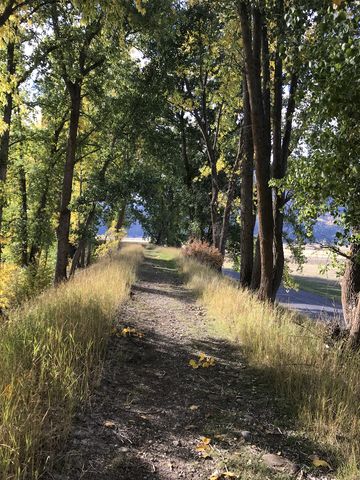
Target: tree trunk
[(121, 218), (230, 199), (82, 257), (261, 142), (5, 137), (82, 242), (37, 243), (256, 272), (23, 218), (350, 295), (40, 215), (188, 177), (246, 196), (63, 229), (88, 255), (226, 217)]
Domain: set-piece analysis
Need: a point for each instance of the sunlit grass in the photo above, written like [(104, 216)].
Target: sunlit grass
[(51, 351), (320, 382), (321, 286)]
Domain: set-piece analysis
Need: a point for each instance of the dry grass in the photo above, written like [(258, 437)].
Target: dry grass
[(320, 382), (51, 351)]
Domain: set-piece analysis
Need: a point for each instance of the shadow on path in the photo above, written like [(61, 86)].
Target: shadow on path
[(151, 408)]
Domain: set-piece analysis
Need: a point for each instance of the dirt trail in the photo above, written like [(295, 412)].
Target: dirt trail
[(151, 408)]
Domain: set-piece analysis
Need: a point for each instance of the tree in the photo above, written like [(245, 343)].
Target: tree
[(272, 36), (75, 62), (324, 175)]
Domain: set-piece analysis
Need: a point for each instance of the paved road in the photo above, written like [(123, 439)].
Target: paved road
[(308, 303)]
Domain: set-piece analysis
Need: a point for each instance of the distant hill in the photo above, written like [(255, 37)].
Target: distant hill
[(324, 230)]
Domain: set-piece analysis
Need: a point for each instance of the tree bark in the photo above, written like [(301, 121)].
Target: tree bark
[(82, 242), (230, 194), (40, 215), (184, 152), (261, 141), (246, 196), (350, 295), (23, 218), (256, 272), (65, 214), (5, 137), (210, 137), (280, 162), (121, 218)]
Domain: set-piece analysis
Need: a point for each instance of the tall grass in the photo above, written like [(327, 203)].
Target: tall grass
[(51, 351), (320, 382)]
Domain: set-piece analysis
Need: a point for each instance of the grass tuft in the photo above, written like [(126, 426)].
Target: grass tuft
[(320, 382), (51, 351)]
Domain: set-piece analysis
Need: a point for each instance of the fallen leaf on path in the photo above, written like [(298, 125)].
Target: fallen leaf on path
[(194, 407), (206, 440), (130, 332), (319, 463), (193, 364), (203, 447), (109, 424), (219, 476), (204, 361), (202, 356)]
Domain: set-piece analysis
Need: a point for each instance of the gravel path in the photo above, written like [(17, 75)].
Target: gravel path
[(148, 414)]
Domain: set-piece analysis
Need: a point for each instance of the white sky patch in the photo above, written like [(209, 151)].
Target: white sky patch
[(137, 56)]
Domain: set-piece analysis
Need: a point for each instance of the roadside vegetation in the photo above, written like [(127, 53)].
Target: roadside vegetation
[(51, 352), (317, 379), (228, 126)]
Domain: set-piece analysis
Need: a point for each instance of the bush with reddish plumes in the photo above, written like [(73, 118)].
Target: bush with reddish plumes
[(204, 253)]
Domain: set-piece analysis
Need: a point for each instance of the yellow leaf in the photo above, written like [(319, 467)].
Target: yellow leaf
[(202, 356), (205, 440), (215, 476), (201, 447), (109, 424), (229, 475), (319, 463), (205, 364), (193, 364), (8, 390)]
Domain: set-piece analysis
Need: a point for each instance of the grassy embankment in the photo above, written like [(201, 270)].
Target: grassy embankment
[(316, 275), (51, 350), (320, 383)]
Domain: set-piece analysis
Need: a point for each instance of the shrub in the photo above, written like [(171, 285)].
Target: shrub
[(204, 253), (8, 275), (110, 243), (20, 284)]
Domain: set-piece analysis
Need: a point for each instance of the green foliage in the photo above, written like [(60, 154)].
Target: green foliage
[(324, 171)]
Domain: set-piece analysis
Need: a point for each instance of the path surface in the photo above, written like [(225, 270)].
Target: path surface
[(151, 408), (307, 303)]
